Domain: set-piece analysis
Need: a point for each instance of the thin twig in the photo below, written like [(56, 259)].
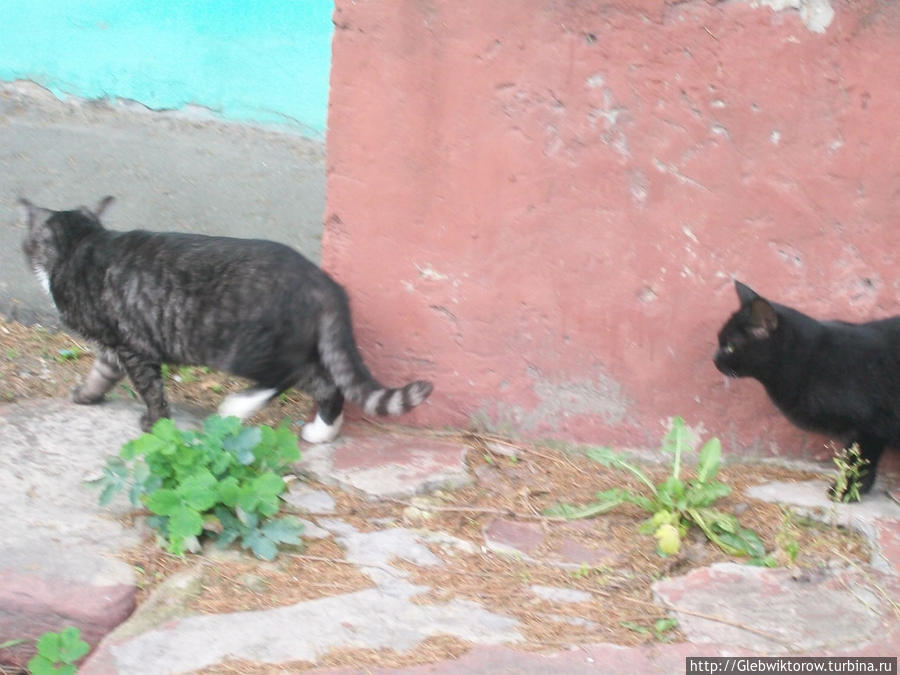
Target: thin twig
[(339, 561), (893, 604), (468, 436), (527, 449), (708, 617), (412, 431), (479, 509)]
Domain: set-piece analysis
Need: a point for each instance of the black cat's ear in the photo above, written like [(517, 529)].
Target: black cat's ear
[(745, 293), (763, 319), (102, 204)]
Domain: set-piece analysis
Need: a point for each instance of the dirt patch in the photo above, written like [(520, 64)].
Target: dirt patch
[(37, 362), (611, 599)]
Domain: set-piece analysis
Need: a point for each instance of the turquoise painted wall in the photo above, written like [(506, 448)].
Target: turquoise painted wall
[(253, 60)]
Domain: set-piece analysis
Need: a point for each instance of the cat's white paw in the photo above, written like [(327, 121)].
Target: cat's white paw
[(318, 431), (244, 403)]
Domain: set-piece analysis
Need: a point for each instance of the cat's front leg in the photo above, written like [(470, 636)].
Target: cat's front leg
[(147, 379), (104, 375)]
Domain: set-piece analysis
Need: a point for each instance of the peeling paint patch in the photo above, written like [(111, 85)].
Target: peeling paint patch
[(694, 434), (720, 130), (610, 112), (640, 186), (597, 395), (647, 295), (816, 15), (787, 253), (428, 272), (672, 170), (596, 80)]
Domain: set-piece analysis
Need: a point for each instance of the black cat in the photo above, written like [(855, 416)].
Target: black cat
[(254, 308), (836, 378)]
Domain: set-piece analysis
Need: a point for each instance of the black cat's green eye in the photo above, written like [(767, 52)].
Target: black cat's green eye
[(728, 349)]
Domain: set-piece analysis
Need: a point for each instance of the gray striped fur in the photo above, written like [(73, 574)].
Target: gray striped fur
[(339, 354)]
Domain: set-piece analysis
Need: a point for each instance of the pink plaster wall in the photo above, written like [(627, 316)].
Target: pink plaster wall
[(540, 205)]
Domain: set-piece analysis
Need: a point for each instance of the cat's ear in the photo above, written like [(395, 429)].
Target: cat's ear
[(32, 214), (763, 319), (102, 204), (745, 293)]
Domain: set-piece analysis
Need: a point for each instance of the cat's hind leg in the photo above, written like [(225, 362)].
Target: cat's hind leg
[(329, 418), (245, 403), (105, 373)]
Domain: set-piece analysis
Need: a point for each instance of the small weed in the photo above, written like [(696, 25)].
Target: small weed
[(71, 354), (851, 467), (58, 652), (182, 374), (12, 354), (659, 630), (225, 480), (585, 571), (635, 627), (185, 375), (663, 626), (676, 503), (128, 390), (11, 643), (582, 572), (786, 537)]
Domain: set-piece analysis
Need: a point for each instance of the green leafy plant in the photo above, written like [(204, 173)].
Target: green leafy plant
[(851, 467), (224, 480), (676, 503), (58, 652)]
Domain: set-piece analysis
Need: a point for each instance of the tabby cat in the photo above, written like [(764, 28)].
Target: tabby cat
[(254, 308), (840, 379)]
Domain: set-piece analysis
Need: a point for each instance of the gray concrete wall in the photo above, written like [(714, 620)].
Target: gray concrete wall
[(180, 171)]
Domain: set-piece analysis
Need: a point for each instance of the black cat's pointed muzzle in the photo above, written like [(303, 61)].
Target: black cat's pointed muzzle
[(720, 359)]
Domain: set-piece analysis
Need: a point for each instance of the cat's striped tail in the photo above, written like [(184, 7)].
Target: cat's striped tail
[(337, 350)]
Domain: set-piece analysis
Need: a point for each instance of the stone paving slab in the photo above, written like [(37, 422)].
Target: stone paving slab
[(779, 611), (382, 466), (567, 550), (57, 561), (597, 659), (383, 617)]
